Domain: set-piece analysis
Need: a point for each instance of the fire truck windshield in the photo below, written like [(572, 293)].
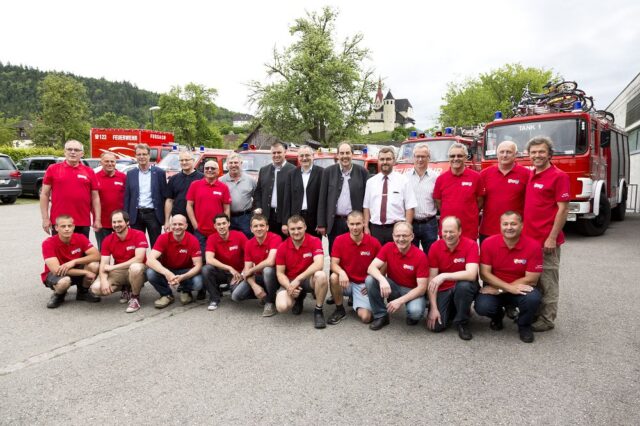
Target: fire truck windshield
[(171, 162), (324, 162), (254, 161), (438, 148), (569, 136)]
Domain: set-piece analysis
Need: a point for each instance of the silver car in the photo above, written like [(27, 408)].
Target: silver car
[(10, 183)]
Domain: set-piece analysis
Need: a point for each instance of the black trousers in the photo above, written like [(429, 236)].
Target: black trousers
[(455, 303), (339, 227), (147, 221), (382, 233), (212, 277), (275, 225)]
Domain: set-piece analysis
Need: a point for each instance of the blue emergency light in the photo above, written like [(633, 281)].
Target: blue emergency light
[(245, 146), (364, 150), (448, 131), (174, 147), (577, 106), (201, 148), (413, 134), (498, 116)]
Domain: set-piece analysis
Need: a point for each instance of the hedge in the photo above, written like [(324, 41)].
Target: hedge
[(17, 154)]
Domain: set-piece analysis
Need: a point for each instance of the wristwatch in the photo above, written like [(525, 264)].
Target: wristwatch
[(500, 291)]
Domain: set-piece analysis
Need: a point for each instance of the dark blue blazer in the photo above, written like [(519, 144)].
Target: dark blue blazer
[(158, 193)]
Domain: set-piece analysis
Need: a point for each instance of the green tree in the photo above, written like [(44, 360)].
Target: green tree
[(187, 112), (477, 99), (113, 120), (65, 110), (7, 130), (314, 87)]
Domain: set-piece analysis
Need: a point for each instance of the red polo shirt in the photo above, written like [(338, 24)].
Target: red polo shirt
[(256, 252), (177, 254), (54, 247), (544, 191), (404, 269), (453, 260), (111, 190), (458, 195), (355, 258), (208, 201), (229, 251), (123, 250), (297, 260), (511, 264), (502, 192), (71, 191)]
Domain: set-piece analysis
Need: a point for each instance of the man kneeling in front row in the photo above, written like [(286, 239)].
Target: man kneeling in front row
[(128, 247), (69, 259), (510, 266), (299, 264)]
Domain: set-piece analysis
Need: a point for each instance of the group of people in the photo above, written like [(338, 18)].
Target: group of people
[(262, 239)]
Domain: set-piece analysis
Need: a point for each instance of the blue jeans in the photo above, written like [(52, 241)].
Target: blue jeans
[(455, 303), (266, 280), (242, 223), (415, 308), (425, 233), (159, 282), (489, 305)]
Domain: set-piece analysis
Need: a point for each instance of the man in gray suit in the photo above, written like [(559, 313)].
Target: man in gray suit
[(268, 197), (338, 199)]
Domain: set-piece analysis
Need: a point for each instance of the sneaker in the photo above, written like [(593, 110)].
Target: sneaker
[(56, 300), (262, 302), (163, 302), (464, 332), (125, 296), (212, 306), (134, 305), (336, 316), (412, 321), (496, 324), (269, 310), (526, 334), (318, 319), (186, 297), (87, 296), (542, 325), (512, 312), (297, 306), (202, 293)]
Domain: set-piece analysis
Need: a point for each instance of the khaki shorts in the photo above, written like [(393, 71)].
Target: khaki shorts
[(118, 279)]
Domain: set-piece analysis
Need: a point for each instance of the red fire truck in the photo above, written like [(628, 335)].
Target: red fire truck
[(439, 150), (123, 141), (590, 149)]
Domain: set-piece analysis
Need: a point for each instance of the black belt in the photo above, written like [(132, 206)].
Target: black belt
[(236, 214), (341, 217), (387, 225), (146, 210), (429, 219)]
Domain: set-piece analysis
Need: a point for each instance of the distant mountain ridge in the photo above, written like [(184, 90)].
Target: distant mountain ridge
[(19, 95)]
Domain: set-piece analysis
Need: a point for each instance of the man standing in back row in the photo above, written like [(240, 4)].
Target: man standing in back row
[(302, 190), (546, 208), (177, 188), (111, 183)]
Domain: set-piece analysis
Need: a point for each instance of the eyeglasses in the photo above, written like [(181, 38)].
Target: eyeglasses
[(457, 156), (186, 160), (211, 168), (74, 149)]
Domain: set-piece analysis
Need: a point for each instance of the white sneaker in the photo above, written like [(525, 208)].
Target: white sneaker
[(213, 306)]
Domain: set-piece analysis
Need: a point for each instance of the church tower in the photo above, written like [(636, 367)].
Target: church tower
[(389, 112), (378, 102)]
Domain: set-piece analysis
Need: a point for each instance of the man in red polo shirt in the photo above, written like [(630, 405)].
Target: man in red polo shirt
[(299, 264), (458, 191), (259, 271), (111, 184), (546, 208), (224, 259), (128, 247), (176, 261), (407, 272), (69, 259), (453, 279), (351, 255), (207, 198), (73, 189), (504, 188), (510, 267)]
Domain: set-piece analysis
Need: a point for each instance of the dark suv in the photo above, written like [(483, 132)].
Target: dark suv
[(10, 186), (33, 169)]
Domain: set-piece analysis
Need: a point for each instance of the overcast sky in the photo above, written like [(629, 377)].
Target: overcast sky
[(417, 47)]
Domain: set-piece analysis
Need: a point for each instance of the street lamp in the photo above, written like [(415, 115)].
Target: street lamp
[(152, 109)]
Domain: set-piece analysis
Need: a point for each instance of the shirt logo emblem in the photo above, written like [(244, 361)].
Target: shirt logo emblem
[(75, 251), (307, 255), (129, 248), (365, 253), (515, 181), (519, 261), (183, 251), (83, 177), (565, 195), (118, 183), (217, 193), (538, 185), (466, 183), (232, 248), (407, 267), (459, 260)]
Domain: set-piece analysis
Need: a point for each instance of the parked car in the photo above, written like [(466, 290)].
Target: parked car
[(10, 180), (122, 165), (92, 162), (32, 170)]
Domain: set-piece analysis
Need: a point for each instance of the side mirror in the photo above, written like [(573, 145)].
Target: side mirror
[(605, 138)]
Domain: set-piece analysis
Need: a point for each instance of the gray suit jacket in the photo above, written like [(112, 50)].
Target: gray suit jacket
[(264, 188), (330, 191)]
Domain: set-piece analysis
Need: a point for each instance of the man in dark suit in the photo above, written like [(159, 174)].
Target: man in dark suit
[(336, 199), (145, 194), (302, 190), (268, 197)]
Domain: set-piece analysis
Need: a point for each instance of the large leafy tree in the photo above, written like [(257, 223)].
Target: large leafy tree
[(65, 111), (113, 120), (314, 88), (476, 100), (187, 112)]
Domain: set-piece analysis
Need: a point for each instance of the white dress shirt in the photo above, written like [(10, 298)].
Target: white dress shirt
[(400, 197), (423, 188)]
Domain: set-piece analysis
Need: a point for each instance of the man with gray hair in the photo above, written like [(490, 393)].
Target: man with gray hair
[(546, 208), (458, 191), (178, 186), (422, 181), (241, 187), (302, 190)]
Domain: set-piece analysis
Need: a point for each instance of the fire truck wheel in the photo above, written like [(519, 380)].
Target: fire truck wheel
[(599, 224), (619, 212)]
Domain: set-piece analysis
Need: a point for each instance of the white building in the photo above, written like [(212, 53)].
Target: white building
[(389, 113), (242, 120), (626, 110)]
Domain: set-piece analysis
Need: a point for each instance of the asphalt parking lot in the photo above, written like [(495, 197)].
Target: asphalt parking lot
[(92, 363)]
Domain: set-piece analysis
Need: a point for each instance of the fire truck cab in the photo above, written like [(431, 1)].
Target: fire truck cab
[(591, 150), (438, 148)]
